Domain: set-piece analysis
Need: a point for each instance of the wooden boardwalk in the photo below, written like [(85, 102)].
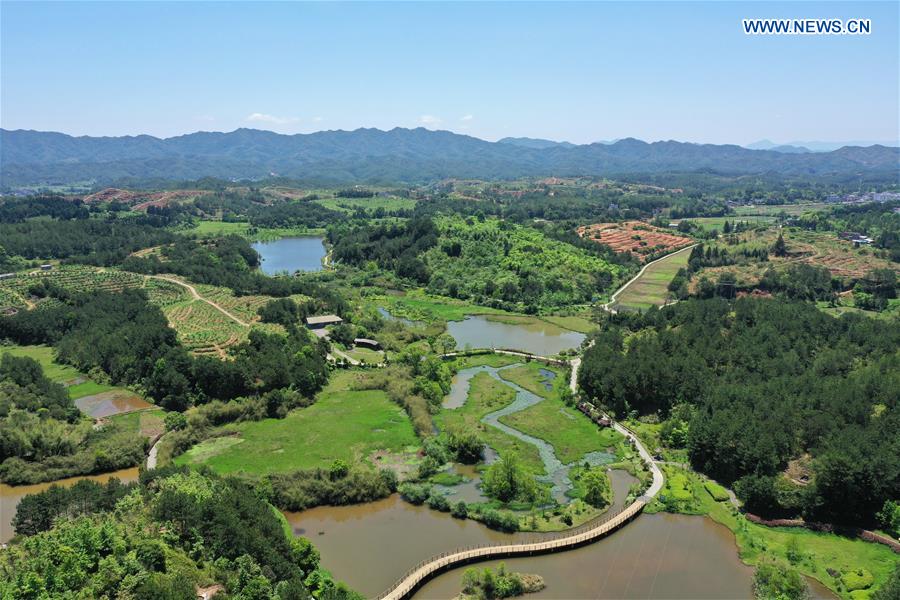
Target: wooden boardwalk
[(543, 544), (586, 534)]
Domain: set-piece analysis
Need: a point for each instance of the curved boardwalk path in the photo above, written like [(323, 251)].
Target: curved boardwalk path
[(586, 534)]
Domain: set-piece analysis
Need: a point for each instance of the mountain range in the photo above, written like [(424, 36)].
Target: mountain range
[(398, 155)]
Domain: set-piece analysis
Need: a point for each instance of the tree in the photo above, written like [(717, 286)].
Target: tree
[(779, 248), (596, 487), (507, 480), (776, 581)]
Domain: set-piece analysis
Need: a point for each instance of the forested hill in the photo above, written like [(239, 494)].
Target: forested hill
[(398, 155)]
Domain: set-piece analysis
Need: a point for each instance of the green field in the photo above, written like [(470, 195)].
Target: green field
[(342, 424), (148, 423), (651, 288), (529, 376), (570, 433), (419, 306), (349, 205), (572, 323), (487, 395), (220, 228), (58, 372), (776, 209)]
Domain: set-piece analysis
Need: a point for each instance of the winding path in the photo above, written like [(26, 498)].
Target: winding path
[(586, 534), (196, 296)]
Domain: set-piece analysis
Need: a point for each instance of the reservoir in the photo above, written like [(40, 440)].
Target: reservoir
[(527, 334), (291, 254)]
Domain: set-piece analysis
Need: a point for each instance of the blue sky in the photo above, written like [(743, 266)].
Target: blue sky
[(580, 72)]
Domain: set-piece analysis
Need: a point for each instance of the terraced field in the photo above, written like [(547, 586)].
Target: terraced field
[(202, 329), (634, 237)]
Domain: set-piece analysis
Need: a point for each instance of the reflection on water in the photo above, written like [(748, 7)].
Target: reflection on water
[(110, 403), (291, 254), (530, 335), (11, 495)]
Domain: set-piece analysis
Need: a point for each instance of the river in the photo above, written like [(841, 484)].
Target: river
[(290, 254)]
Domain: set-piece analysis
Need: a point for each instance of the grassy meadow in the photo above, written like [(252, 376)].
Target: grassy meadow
[(342, 424)]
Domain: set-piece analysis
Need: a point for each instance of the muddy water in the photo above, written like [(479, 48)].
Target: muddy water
[(110, 403), (370, 545), (11, 495), (656, 556), (532, 335)]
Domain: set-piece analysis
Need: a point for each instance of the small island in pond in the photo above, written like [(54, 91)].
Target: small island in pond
[(488, 584)]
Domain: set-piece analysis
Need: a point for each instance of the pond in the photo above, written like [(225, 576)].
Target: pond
[(112, 402), (290, 254), (11, 495), (527, 334), (656, 556), (387, 316)]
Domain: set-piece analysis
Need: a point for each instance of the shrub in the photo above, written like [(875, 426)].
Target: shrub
[(718, 493), (415, 493), (460, 510), (438, 501), (858, 579)]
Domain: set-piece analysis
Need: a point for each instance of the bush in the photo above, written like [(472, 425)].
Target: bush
[(718, 493), (859, 579), (438, 501), (460, 510), (315, 487), (415, 493), (503, 521)]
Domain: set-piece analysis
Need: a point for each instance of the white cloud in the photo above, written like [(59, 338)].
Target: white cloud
[(205, 118), (264, 118), (429, 120), (318, 119), (467, 118)]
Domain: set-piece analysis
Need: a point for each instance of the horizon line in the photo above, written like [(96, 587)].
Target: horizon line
[(794, 143)]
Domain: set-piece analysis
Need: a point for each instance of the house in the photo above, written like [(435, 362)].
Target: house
[(323, 321), (7, 276), (367, 343), (46, 267)]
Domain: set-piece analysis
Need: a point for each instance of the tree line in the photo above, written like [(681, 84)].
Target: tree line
[(754, 383)]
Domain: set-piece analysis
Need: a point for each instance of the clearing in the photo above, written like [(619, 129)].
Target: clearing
[(651, 286), (342, 424)]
